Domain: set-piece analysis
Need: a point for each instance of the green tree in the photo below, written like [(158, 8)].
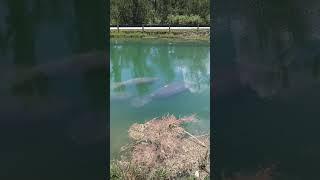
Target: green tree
[(139, 12)]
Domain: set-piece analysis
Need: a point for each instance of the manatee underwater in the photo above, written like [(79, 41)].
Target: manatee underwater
[(120, 97), (124, 96), (135, 81), (56, 68), (166, 91), (53, 108)]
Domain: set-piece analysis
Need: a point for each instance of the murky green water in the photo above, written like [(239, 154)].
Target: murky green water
[(170, 62)]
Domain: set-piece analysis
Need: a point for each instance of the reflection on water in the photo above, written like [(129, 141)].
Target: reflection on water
[(52, 109), (173, 78), (267, 87)]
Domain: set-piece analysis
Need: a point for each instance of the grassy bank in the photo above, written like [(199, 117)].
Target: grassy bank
[(203, 35)]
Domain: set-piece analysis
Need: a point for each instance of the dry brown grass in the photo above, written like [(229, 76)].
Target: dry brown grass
[(163, 146)]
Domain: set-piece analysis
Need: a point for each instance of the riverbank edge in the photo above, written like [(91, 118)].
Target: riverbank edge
[(151, 153), (201, 35)]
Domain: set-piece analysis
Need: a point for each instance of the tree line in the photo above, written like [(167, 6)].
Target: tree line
[(160, 12)]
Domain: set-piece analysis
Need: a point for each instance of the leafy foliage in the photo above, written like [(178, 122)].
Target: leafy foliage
[(180, 12)]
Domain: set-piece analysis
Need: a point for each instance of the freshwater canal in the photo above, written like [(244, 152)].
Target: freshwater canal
[(170, 63)]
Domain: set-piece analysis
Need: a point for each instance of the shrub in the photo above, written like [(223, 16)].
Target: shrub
[(186, 20), (153, 18)]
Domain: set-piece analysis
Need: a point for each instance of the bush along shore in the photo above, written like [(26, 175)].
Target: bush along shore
[(203, 35), (163, 149), (189, 12)]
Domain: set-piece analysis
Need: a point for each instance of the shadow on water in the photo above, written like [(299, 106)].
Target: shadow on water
[(53, 76), (266, 90)]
